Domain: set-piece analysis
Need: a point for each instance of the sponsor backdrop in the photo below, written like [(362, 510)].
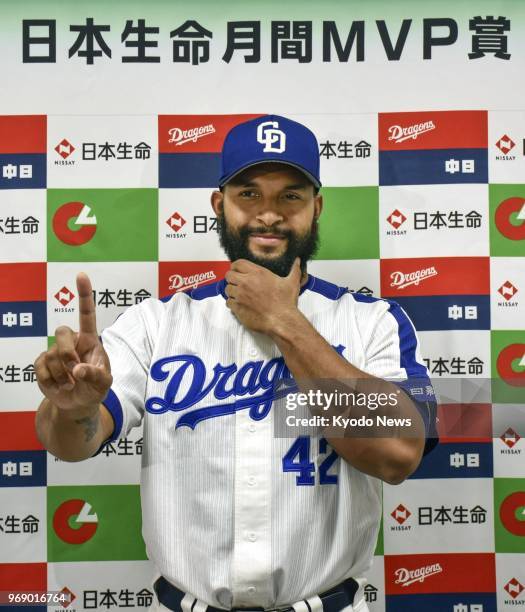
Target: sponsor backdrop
[(112, 120)]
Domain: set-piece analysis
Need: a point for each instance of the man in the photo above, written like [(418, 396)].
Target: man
[(233, 516)]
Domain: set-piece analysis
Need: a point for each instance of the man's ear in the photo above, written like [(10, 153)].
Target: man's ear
[(217, 202), (318, 205)]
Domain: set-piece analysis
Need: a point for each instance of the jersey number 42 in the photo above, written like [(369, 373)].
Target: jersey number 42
[(297, 459)]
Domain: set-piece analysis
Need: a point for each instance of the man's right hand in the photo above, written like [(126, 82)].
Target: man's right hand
[(75, 373)]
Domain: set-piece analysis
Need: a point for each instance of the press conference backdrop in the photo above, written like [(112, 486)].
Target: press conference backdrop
[(112, 120)]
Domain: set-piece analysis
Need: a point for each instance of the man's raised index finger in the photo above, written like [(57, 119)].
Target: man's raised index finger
[(86, 305)]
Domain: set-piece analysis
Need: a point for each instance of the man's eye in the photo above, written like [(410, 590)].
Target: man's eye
[(292, 196), (247, 193)]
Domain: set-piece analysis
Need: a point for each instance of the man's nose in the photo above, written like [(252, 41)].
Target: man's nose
[(269, 212)]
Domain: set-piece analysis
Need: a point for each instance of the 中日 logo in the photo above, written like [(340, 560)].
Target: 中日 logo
[(396, 218), (179, 136), (400, 133), (85, 522), (64, 148), (79, 216), (64, 296)]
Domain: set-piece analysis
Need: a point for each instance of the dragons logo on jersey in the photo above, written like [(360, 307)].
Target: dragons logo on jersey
[(242, 384)]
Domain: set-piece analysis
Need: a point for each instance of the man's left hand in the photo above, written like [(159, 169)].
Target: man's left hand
[(258, 297)]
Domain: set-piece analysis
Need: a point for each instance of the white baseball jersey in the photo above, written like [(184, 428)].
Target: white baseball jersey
[(232, 514)]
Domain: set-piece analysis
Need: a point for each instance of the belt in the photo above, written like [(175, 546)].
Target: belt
[(333, 600)]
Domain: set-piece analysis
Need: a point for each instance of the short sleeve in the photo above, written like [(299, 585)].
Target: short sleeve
[(128, 343), (393, 353)]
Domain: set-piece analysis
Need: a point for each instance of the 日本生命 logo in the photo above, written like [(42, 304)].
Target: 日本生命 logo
[(87, 522), (64, 296), (514, 588), (176, 221), (505, 144), (79, 215), (67, 597), (396, 218), (64, 148), (273, 139), (507, 290), (400, 514), (510, 437)]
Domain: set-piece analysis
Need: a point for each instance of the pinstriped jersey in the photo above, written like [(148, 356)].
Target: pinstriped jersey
[(233, 514)]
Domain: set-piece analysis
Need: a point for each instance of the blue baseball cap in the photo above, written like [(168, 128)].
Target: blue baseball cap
[(270, 139)]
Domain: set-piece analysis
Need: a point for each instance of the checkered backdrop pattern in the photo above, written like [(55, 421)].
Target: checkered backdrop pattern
[(427, 208)]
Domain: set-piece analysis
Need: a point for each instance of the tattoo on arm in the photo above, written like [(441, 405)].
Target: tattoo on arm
[(90, 426)]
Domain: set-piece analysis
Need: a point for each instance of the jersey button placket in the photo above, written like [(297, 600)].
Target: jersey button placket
[(252, 489)]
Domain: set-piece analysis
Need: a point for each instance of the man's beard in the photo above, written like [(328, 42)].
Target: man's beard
[(235, 245)]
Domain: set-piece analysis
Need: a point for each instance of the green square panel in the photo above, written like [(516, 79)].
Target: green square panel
[(94, 523), (507, 220), (509, 515), (508, 366), (349, 223), (102, 224)]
